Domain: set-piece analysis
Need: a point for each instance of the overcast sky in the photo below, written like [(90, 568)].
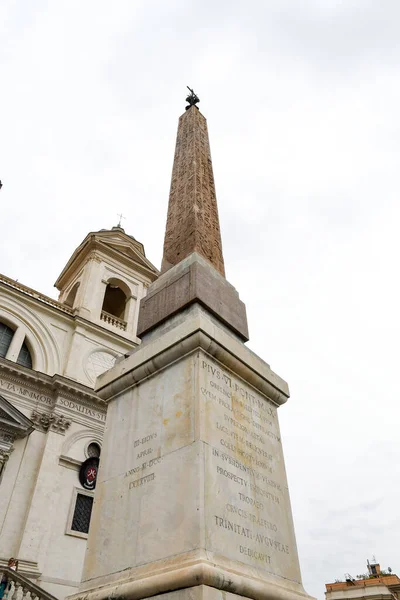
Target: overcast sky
[(302, 100)]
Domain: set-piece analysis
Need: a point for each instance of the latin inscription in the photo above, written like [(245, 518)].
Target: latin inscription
[(144, 440), (247, 469), (143, 466), (38, 397), (260, 538), (248, 516), (249, 484), (248, 400), (245, 429), (254, 554), (84, 410), (141, 481), (17, 389), (148, 464)]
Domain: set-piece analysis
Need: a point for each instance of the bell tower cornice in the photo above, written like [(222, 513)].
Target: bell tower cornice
[(114, 244)]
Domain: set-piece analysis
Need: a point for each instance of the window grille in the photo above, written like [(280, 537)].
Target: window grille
[(93, 450), (24, 357), (6, 335), (82, 513)]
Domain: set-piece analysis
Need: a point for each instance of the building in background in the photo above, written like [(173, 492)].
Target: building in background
[(51, 421), (377, 584)]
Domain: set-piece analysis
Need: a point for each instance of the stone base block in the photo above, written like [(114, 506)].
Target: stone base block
[(200, 580), (199, 592), (192, 496), (193, 280)]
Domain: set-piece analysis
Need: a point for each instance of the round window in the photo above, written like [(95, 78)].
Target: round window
[(98, 362), (93, 450)]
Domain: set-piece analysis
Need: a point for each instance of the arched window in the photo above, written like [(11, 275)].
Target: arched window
[(93, 450), (6, 335), (114, 301), (24, 357)]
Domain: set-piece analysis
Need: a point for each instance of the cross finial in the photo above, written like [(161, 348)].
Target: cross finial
[(121, 216)]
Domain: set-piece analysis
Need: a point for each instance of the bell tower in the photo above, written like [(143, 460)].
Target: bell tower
[(105, 278)]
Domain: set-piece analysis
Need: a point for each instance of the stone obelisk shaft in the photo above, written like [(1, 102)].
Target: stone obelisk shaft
[(192, 222)]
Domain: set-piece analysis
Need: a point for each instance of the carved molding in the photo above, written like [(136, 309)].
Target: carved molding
[(4, 456), (247, 583), (193, 331), (7, 436), (96, 258), (52, 421)]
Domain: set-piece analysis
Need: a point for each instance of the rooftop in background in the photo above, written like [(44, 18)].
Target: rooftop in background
[(377, 583)]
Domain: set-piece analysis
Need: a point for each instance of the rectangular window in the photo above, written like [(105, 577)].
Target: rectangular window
[(80, 513)]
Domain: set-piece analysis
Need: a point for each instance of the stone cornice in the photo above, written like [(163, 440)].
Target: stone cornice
[(183, 575), (70, 463), (68, 313), (42, 298), (98, 243), (13, 423), (14, 429), (189, 331)]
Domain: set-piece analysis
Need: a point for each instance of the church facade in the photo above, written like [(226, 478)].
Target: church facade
[(51, 420)]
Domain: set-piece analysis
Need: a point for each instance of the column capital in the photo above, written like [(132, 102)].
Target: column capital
[(50, 421)]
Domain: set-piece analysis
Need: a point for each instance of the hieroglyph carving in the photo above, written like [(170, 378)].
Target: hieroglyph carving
[(192, 221)]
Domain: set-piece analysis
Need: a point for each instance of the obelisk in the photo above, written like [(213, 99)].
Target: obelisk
[(192, 221), (192, 498)]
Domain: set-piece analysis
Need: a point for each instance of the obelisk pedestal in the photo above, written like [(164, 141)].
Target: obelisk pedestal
[(192, 498)]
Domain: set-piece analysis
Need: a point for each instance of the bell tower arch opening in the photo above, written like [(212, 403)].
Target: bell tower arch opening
[(115, 299), (14, 346), (105, 279)]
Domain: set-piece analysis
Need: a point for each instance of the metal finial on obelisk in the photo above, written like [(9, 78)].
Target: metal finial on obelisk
[(192, 99)]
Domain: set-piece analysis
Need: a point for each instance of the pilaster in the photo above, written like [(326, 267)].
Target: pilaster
[(16, 344), (90, 302), (36, 532)]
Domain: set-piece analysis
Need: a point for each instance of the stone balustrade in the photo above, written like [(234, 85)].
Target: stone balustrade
[(19, 587), (111, 320)]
